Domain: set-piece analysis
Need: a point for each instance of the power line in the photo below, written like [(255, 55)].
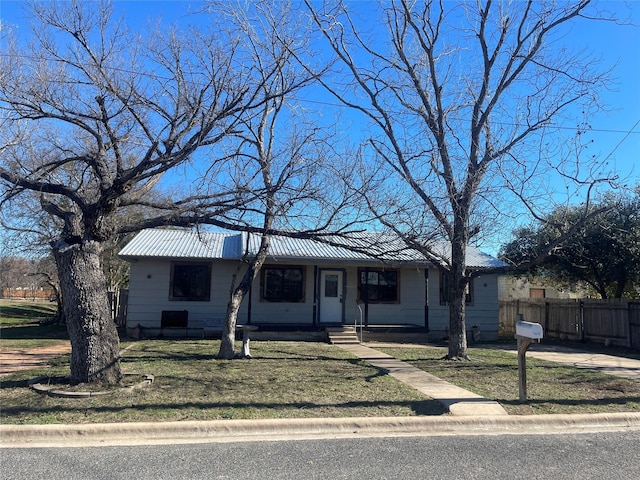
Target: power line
[(623, 139)]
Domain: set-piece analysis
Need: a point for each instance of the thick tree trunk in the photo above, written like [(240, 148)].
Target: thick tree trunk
[(229, 330), (457, 300), (95, 346), (457, 324)]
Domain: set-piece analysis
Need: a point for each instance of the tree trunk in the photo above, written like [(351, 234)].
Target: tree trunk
[(95, 346), (457, 301), (457, 323), (229, 330)]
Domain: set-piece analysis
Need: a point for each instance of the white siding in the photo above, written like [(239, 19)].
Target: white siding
[(483, 312), (410, 310), (149, 295), (283, 313)]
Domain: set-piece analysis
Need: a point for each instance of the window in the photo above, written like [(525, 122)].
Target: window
[(537, 293), (282, 284), (445, 289), (378, 286), (190, 282)]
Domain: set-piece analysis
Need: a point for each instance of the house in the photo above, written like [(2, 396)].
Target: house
[(180, 282), (514, 287)]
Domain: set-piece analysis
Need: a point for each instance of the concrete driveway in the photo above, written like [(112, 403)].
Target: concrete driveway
[(609, 364)]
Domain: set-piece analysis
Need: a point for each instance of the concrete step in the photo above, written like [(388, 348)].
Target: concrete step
[(342, 335), (342, 329)]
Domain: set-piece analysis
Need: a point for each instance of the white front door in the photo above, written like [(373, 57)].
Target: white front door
[(331, 296)]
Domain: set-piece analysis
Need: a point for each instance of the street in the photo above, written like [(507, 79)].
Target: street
[(576, 456)]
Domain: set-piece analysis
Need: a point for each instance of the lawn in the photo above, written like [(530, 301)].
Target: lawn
[(24, 325), (288, 379), (551, 387), (284, 379)]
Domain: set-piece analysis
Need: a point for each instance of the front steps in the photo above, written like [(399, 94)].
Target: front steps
[(342, 335)]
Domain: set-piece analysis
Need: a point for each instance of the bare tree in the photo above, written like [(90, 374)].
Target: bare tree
[(463, 101), (280, 149), (95, 121)]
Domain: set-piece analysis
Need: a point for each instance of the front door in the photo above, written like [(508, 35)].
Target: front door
[(331, 296)]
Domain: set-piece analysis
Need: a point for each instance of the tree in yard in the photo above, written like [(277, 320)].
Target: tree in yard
[(460, 100), (95, 120), (277, 147), (603, 253)]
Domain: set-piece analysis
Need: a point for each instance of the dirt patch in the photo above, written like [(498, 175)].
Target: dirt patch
[(24, 359)]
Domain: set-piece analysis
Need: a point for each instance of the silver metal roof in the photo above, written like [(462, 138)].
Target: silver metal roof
[(364, 248), (163, 243)]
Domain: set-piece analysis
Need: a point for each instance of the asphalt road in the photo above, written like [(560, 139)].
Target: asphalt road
[(576, 456)]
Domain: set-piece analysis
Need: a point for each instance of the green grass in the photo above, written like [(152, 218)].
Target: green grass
[(14, 313), (24, 325), (283, 380), (290, 379), (551, 387)]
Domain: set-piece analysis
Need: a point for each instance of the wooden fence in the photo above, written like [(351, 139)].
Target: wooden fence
[(118, 304), (615, 322), (32, 294)]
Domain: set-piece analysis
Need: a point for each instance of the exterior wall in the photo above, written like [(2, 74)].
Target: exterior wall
[(482, 312), (513, 287), (149, 296), (150, 284), (283, 313), (410, 310)]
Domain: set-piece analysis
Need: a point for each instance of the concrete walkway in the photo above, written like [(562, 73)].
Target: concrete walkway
[(609, 364), (457, 400)]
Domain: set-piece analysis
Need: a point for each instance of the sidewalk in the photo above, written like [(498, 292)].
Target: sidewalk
[(457, 400)]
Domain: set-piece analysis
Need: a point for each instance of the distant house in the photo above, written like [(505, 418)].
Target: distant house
[(513, 287), (180, 282)]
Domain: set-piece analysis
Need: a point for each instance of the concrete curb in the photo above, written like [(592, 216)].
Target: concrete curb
[(218, 431), (36, 386)]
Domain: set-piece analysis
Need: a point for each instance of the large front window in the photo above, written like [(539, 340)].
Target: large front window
[(378, 286), (190, 282), (282, 284)]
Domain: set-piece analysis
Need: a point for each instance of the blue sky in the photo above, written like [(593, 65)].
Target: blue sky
[(615, 133)]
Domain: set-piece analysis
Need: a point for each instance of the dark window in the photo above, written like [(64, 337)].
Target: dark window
[(190, 282), (445, 289), (282, 284), (378, 286)]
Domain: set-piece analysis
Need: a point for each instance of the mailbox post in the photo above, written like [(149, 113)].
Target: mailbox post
[(526, 333)]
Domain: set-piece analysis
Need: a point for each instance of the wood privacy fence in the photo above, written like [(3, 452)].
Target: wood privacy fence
[(32, 294), (118, 303), (615, 322)]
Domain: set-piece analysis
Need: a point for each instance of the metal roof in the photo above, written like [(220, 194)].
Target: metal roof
[(363, 248), (163, 243)]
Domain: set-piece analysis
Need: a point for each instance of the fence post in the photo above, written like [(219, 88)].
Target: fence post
[(583, 333)]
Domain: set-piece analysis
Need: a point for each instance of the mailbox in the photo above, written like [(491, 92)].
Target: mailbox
[(529, 330)]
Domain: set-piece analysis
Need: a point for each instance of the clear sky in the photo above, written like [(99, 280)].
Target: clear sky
[(616, 132)]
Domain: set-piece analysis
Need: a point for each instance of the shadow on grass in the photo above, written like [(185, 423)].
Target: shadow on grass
[(34, 331), (173, 357), (422, 408), (27, 311), (551, 344), (570, 401)]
